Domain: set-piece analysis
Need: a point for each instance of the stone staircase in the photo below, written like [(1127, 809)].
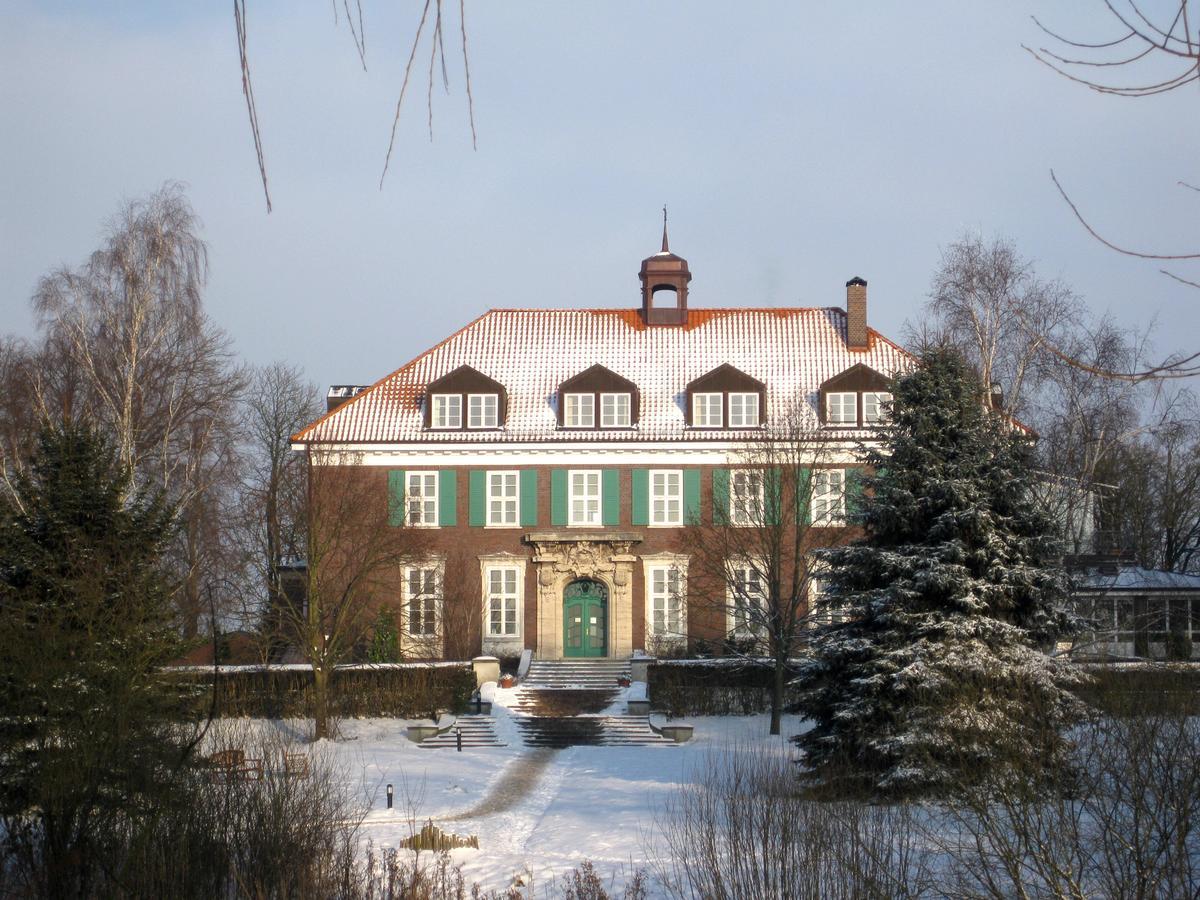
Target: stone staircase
[(589, 731), (575, 673), (563, 703), (477, 731)]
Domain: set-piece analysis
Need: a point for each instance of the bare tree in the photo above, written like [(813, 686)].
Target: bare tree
[(749, 569), (1154, 511), (128, 348), (991, 303), (1084, 421), (1150, 52), (355, 551), (271, 526), (434, 22)]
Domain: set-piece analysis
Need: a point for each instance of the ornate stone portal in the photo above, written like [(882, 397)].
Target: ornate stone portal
[(559, 558)]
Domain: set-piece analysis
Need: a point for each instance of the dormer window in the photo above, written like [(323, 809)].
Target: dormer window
[(875, 406), (743, 410), (726, 398), (483, 410), (580, 411), (841, 408), (598, 398), (857, 396), (614, 411), (447, 411), (465, 399), (706, 410)]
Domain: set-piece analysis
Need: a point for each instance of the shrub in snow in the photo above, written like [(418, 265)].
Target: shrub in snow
[(933, 671)]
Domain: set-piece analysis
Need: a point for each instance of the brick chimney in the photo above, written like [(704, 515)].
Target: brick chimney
[(856, 314), (340, 393)]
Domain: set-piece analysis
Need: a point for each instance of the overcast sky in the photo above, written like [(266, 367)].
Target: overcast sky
[(796, 144)]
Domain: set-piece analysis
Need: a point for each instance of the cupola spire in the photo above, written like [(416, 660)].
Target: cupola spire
[(665, 278)]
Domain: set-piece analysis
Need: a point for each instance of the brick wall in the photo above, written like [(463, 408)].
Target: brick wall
[(459, 547)]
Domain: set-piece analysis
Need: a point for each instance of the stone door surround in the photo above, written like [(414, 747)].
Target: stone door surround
[(562, 556)]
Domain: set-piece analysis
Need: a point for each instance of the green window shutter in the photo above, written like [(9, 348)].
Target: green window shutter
[(772, 495), (558, 496), (529, 497), (477, 498), (447, 497), (610, 496), (804, 491), (691, 496), (396, 497), (641, 496), (854, 493), (720, 496)]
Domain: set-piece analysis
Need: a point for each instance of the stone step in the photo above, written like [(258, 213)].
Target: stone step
[(575, 672), (590, 731), (477, 731), (562, 702)]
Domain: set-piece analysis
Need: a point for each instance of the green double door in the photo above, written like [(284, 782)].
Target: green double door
[(585, 619)]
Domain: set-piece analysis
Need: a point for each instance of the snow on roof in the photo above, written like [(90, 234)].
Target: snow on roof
[(531, 351), (1135, 578)]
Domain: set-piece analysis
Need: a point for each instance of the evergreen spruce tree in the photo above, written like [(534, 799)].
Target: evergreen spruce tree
[(87, 745), (936, 674)]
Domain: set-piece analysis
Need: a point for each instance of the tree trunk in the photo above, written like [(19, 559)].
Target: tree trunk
[(320, 702), (777, 695)]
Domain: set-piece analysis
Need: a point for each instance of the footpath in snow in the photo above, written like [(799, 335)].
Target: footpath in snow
[(536, 810)]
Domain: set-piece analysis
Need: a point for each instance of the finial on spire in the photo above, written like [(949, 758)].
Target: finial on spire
[(665, 248)]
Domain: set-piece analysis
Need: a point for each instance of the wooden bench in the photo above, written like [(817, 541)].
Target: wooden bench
[(295, 765), (233, 763)]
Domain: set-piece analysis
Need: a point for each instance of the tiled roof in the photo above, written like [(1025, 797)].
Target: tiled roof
[(532, 351)]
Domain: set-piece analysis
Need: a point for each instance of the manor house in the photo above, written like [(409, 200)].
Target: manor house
[(557, 458)]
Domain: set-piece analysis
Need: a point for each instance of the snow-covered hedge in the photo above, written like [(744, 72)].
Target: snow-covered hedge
[(393, 691)]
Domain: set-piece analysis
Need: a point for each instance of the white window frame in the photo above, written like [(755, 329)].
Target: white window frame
[(439, 416), (621, 417), (737, 622), (702, 406), (509, 502), (828, 497), (421, 505), (662, 566), (435, 597), (589, 518), (749, 403), (509, 601), (740, 513), (661, 513), (816, 589), (840, 418), (573, 404), (484, 410), (878, 399)]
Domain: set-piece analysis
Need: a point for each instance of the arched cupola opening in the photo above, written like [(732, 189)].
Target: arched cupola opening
[(665, 278)]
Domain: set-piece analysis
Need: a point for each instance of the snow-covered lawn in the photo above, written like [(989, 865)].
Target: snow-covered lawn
[(595, 803)]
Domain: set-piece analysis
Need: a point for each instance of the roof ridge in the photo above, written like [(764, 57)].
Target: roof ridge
[(624, 310)]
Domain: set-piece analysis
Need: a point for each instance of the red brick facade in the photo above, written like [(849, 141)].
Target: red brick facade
[(677, 391)]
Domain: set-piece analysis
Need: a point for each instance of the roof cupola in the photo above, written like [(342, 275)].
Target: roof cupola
[(665, 278)]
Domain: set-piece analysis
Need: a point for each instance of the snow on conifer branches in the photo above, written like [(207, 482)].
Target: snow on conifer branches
[(933, 669)]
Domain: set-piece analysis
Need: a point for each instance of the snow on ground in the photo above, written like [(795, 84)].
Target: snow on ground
[(595, 803)]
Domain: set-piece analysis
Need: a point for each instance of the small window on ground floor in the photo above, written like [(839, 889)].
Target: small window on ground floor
[(666, 606), (422, 601), (503, 600)]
